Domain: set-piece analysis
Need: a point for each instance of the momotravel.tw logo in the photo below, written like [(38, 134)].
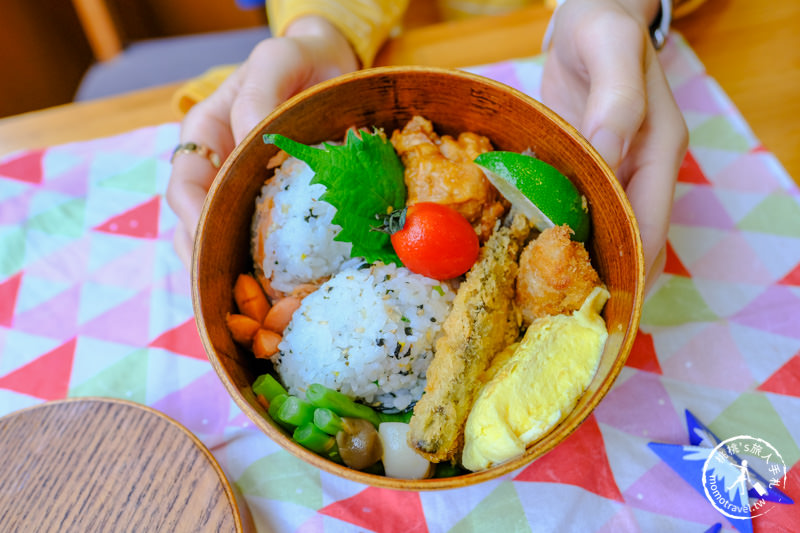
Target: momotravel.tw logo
[(738, 475)]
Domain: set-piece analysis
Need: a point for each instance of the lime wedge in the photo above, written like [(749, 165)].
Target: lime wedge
[(543, 194)]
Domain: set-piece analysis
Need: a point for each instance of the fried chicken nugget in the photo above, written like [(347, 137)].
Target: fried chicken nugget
[(555, 275), (441, 169)]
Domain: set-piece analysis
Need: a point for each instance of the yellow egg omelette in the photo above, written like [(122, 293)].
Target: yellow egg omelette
[(534, 383)]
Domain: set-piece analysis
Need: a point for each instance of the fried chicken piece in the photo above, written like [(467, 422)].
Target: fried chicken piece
[(441, 170), (482, 322), (555, 275)]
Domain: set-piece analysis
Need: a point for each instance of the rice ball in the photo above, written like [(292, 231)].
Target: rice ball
[(292, 233), (369, 333)]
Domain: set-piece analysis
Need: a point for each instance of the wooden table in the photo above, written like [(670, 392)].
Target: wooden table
[(752, 50)]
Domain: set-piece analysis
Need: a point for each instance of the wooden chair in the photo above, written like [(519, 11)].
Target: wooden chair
[(131, 55)]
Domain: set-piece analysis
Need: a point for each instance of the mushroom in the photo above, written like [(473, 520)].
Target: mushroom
[(359, 443)]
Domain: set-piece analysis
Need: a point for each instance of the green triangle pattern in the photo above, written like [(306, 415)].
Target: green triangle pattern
[(753, 414), (66, 219), (717, 132), (12, 242), (774, 207), (674, 303), (125, 380), (139, 178), (501, 510), (282, 476)]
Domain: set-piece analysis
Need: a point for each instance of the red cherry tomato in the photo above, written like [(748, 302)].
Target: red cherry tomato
[(436, 241)]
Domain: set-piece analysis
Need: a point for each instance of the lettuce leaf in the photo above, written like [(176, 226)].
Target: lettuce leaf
[(363, 179)]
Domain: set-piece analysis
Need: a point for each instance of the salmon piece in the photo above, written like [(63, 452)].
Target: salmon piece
[(482, 322)]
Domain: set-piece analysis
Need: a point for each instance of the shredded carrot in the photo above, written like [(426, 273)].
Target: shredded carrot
[(263, 401)]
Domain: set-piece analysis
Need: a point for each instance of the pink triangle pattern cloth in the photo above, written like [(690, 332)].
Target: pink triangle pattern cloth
[(94, 302)]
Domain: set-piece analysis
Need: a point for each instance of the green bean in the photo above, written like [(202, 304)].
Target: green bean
[(322, 396), (274, 407), (327, 421), (296, 411), (268, 387), (316, 440), (404, 416), (448, 469)]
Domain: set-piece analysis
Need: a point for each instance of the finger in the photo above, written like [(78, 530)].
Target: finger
[(207, 123), (614, 61), (313, 51), (183, 243), (653, 163), (563, 90), (294, 64)]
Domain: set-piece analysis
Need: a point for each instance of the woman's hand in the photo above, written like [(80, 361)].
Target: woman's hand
[(312, 51), (603, 76)]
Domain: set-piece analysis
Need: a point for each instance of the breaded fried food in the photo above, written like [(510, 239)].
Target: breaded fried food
[(555, 275), (441, 170), (482, 322)]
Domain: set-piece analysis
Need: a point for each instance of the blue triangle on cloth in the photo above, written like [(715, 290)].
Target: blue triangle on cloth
[(688, 462), (701, 435), (726, 476)]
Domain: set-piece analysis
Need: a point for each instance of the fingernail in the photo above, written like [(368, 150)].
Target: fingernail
[(609, 145)]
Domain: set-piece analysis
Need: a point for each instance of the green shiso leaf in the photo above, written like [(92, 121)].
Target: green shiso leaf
[(363, 179)]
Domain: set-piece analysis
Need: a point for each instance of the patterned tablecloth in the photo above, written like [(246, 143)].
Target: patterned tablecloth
[(94, 302)]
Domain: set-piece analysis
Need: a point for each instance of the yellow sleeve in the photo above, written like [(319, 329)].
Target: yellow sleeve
[(460, 9), (199, 88), (365, 23), (682, 8)]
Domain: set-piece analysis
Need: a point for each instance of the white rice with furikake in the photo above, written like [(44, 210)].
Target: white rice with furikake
[(368, 332), (293, 235)]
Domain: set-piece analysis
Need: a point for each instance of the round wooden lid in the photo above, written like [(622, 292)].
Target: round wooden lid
[(98, 464)]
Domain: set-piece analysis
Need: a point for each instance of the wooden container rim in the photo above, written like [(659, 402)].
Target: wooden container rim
[(430, 484)]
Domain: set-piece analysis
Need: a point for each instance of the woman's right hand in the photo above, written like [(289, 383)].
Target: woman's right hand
[(311, 51)]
